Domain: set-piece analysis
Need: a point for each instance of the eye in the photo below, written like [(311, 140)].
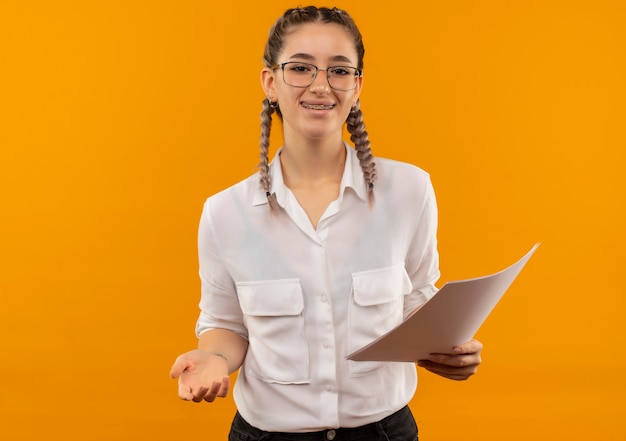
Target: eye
[(341, 71), (300, 67)]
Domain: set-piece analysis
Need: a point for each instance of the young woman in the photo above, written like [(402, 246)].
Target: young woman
[(318, 254)]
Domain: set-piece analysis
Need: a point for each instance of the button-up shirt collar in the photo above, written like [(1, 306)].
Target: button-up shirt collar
[(283, 194)]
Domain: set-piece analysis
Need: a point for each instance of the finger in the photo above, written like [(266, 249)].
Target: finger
[(184, 391), (451, 372), (456, 360), (225, 386), (199, 394), (212, 392), (445, 368), (472, 346), (456, 377)]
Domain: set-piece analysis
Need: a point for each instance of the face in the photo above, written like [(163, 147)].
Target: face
[(316, 111)]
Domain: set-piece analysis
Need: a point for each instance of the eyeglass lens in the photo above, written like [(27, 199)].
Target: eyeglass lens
[(303, 75)]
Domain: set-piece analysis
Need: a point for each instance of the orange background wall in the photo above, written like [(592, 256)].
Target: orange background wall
[(118, 118)]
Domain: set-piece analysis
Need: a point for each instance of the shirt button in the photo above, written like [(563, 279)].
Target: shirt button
[(331, 434)]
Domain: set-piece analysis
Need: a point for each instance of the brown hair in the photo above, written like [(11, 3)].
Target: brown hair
[(356, 127)]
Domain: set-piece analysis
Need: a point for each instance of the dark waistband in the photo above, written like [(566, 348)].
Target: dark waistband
[(327, 434)]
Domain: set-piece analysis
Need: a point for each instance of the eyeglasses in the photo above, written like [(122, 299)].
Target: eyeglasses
[(298, 74)]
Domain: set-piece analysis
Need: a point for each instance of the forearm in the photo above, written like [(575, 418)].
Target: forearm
[(227, 344)]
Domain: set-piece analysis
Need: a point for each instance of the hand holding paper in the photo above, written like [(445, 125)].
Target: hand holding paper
[(461, 364), (450, 318)]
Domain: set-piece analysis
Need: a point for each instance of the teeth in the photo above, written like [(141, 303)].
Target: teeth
[(318, 106)]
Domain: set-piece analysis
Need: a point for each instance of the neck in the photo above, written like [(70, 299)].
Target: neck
[(312, 161)]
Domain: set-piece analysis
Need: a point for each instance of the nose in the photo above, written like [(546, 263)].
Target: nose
[(320, 82)]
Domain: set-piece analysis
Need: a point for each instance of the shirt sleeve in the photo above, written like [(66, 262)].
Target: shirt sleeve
[(219, 304), (422, 262)]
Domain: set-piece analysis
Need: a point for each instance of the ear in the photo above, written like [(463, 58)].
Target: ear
[(357, 90), (268, 82)]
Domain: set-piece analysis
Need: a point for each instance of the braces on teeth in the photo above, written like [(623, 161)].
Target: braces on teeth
[(318, 106)]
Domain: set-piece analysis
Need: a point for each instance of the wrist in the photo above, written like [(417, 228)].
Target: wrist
[(219, 355)]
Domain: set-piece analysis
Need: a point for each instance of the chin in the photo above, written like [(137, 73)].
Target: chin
[(321, 132)]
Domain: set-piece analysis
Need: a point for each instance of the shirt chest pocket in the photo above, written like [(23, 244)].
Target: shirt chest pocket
[(273, 312), (376, 307)]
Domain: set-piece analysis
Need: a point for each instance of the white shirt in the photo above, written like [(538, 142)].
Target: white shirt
[(305, 297)]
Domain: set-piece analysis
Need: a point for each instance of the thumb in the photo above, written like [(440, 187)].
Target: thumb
[(179, 366)]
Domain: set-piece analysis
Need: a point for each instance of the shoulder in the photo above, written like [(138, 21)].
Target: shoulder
[(242, 193), (394, 175), (406, 191)]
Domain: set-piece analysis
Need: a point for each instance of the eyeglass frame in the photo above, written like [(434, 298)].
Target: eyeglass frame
[(281, 66)]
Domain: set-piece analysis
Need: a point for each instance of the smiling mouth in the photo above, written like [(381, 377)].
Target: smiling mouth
[(318, 106)]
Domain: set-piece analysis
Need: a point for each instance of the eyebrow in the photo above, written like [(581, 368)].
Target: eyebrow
[(310, 57)]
